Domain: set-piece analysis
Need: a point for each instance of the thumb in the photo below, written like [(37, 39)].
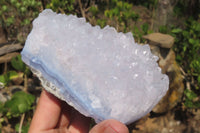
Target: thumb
[(109, 126)]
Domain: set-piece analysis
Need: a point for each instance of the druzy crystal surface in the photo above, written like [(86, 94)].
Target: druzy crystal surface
[(100, 72)]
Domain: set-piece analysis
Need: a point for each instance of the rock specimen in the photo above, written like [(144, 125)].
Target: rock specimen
[(101, 73), (159, 39), (160, 45)]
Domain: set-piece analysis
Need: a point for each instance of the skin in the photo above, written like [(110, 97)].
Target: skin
[(55, 116)]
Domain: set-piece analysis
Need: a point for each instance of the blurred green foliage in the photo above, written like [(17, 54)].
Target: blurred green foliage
[(150, 4), (18, 65), (122, 10), (116, 10), (187, 46), (24, 129), (1, 107), (7, 77), (191, 99), (187, 8), (19, 103), (16, 16), (187, 50), (121, 15), (138, 32), (63, 6), (94, 10)]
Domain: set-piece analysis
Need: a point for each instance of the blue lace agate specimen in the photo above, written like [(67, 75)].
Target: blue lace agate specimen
[(101, 73)]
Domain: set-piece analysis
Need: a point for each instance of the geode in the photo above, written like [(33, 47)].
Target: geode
[(100, 72)]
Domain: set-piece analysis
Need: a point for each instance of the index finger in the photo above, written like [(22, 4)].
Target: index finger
[(47, 113)]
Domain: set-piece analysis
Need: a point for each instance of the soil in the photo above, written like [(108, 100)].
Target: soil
[(175, 121)]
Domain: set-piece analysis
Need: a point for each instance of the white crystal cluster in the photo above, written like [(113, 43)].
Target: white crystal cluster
[(101, 73)]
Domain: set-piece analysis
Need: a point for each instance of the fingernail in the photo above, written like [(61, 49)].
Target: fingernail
[(110, 129)]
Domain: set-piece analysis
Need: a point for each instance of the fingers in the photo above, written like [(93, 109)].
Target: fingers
[(79, 123), (65, 115), (109, 126), (47, 113), (58, 130), (53, 116), (50, 118)]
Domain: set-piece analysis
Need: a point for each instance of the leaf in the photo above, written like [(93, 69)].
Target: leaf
[(1, 107), (12, 75), (191, 41), (163, 29), (20, 102), (145, 28), (18, 64), (94, 10), (22, 108), (7, 77), (179, 57), (2, 81), (178, 30), (198, 79), (186, 34), (190, 104), (25, 128), (190, 94)]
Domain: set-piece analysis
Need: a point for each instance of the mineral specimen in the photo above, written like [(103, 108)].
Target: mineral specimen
[(101, 73)]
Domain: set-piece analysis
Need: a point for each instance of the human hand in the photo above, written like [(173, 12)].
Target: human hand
[(55, 116)]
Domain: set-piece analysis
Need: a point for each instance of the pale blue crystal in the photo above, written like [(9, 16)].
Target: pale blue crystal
[(101, 73)]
